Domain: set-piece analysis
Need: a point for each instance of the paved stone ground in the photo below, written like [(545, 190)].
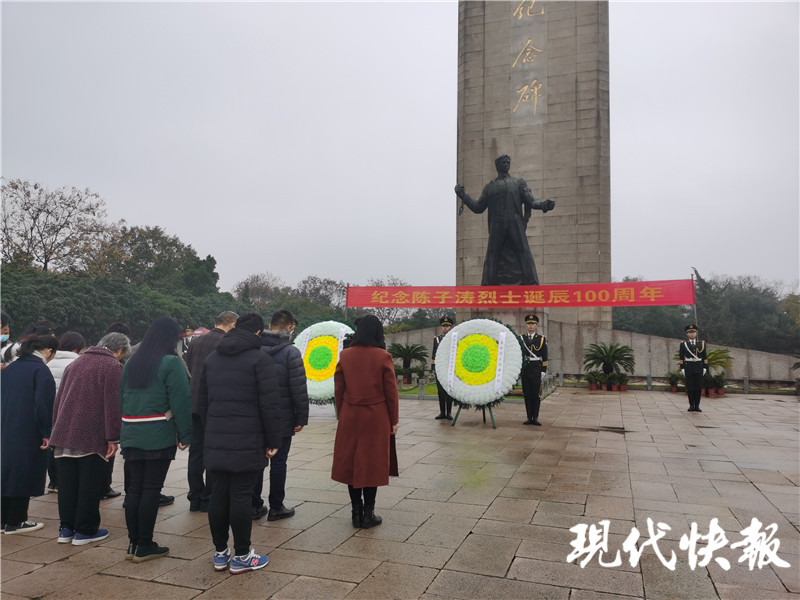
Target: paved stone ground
[(479, 513)]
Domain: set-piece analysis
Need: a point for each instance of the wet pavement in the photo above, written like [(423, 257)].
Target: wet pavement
[(486, 513)]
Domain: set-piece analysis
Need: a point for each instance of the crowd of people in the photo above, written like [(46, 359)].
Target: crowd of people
[(234, 399)]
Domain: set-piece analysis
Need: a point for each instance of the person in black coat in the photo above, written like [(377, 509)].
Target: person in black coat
[(28, 392), (238, 404), (293, 406), (199, 349), (693, 364), (534, 370)]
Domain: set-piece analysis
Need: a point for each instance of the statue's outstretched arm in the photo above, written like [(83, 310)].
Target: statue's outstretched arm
[(534, 203), (476, 207)]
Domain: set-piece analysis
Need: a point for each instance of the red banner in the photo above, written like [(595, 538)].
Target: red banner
[(630, 293)]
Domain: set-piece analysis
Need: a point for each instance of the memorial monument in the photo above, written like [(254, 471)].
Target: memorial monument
[(533, 83)]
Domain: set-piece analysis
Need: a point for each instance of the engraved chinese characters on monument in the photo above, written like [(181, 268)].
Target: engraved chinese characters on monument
[(529, 63), (509, 201)]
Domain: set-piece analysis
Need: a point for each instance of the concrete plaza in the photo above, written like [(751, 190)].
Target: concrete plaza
[(482, 513)]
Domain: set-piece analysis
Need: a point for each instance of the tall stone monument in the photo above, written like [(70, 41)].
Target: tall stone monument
[(533, 83)]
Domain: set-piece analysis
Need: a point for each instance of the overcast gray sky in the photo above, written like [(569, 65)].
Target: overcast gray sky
[(320, 138)]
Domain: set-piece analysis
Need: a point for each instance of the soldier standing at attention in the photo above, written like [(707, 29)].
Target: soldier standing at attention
[(694, 364), (445, 401), (535, 368)]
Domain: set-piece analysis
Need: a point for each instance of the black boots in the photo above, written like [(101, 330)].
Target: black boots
[(358, 514), (370, 519), (364, 516)]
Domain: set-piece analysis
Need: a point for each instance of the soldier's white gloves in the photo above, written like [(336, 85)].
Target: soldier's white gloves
[(543, 375), (705, 371), (683, 372)]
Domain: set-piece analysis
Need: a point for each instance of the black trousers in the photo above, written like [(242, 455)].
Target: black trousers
[(445, 401), (199, 488), (531, 386), (370, 493), (277, 478), (694, 386), (14, 510), (230, 506), (82, 485), (144, 482), (51, 468)]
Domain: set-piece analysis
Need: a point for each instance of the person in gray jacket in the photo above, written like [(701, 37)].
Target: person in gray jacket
[(291, 373)]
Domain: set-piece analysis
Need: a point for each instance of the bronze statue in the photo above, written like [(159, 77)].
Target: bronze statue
[(508, 256)]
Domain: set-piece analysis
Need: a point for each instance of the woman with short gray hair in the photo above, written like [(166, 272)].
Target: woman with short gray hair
[(115, 342), (86, 429)]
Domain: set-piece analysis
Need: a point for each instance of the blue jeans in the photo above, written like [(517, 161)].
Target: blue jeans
[(277, 478)]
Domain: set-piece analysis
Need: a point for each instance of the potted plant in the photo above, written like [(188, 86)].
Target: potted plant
[(602, 381), (708, 384), (612, 359), (719, 383), (609, 358), (407, 353), (673, 378), (591, 379), (622, 380), (612, 382)]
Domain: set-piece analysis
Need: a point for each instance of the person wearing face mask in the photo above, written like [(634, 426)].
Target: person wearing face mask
[(10, 352), (26, 397), (5, 335)]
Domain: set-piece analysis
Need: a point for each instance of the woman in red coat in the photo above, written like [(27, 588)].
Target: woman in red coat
[(367, 405)]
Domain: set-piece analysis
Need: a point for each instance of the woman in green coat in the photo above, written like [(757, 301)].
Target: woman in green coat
[(156, 417)]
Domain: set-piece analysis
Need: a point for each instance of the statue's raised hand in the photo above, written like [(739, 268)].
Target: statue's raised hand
[(548, 205), (459, 190)]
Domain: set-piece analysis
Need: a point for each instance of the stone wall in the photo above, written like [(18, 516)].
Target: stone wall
[(654, 355)]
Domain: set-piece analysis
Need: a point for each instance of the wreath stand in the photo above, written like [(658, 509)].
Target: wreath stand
[(483, 409)]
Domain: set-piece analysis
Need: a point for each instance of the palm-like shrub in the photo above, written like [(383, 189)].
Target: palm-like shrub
[(408, 353), (719, 359), (610, 358)]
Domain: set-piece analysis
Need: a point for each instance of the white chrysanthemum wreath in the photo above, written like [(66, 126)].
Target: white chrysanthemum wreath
[(320, 345), (479, 361)]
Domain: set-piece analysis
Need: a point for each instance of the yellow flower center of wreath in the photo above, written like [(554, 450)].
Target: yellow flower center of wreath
[(476, 359), (321, 357)]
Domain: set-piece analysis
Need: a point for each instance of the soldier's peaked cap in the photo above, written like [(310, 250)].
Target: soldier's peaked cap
[(531, 319), (691, 327), (445, 320)]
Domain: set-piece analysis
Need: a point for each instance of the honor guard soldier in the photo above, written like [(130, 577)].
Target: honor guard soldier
[(694, 364), (534, 369), (445, 401)]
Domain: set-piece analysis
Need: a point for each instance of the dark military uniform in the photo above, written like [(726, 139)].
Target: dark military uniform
[(535, 365), (693, 362), (445, 401)]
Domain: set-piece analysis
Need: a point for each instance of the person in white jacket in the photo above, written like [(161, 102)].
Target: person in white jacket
[(70, 346)]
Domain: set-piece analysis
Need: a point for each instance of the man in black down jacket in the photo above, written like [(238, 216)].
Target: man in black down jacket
[(199, 349), (293, 406), (238, 404)]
